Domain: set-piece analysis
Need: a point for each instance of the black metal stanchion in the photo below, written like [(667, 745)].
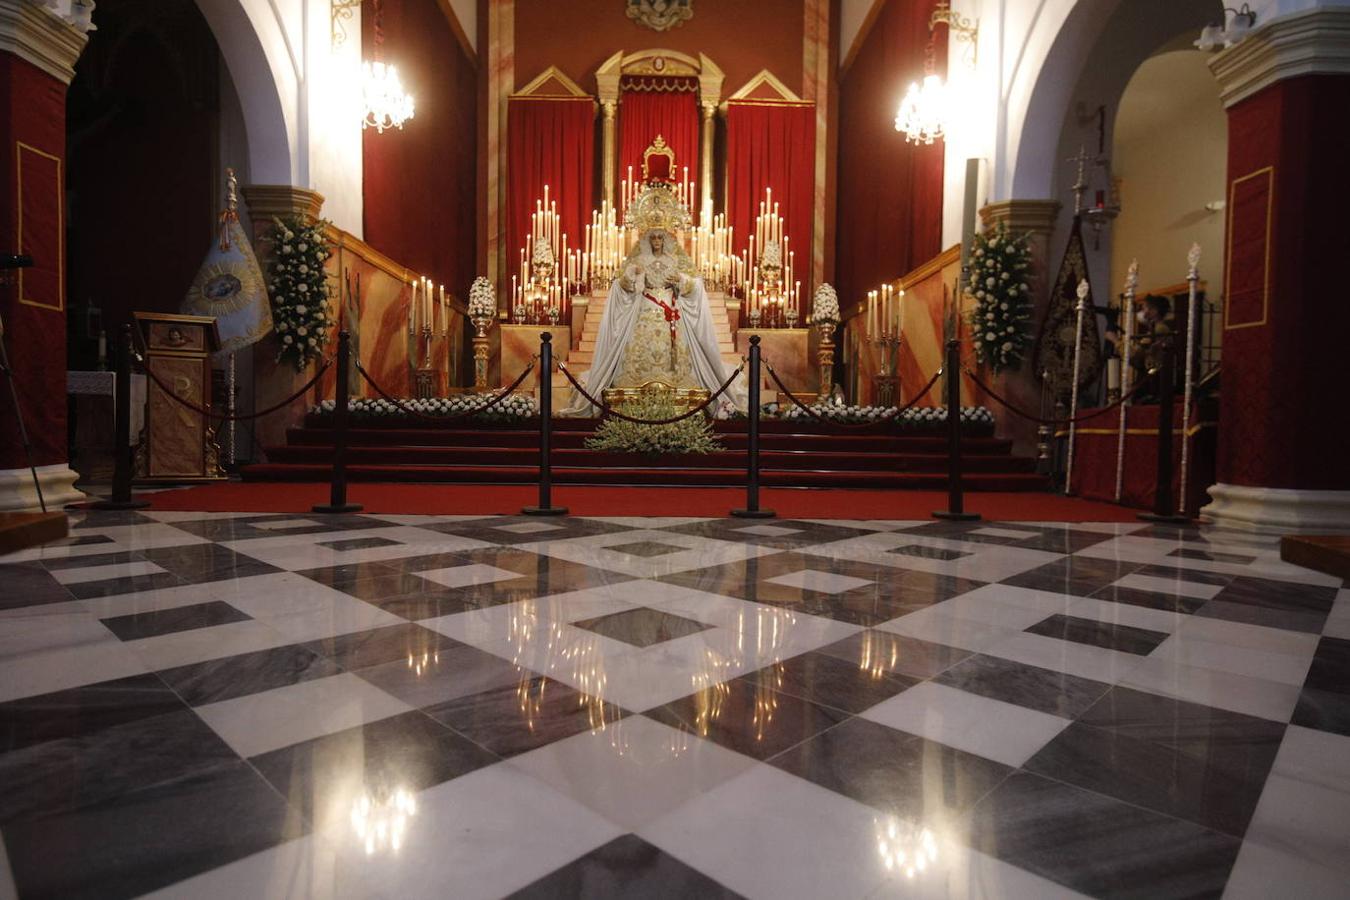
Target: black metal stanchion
[(956, 501), (124, 454), (545, 507), (337, 495), (752, 510), (1163, 508)]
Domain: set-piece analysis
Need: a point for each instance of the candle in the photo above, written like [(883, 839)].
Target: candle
[(900, 325), (1113, 373)]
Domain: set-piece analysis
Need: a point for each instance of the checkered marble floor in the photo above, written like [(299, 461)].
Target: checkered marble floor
[(205, 705)]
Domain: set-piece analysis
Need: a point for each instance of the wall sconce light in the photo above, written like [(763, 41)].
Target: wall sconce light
[(922, 114), (1221, 37), (340, 11)]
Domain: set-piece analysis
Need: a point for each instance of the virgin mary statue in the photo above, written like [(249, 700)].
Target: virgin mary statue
[(657, 324)]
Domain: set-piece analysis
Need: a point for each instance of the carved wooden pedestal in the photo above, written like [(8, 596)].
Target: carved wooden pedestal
[(180, 442)]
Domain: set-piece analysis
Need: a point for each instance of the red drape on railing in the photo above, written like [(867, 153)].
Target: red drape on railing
[(551, 141), (772, 145), (645, 114)]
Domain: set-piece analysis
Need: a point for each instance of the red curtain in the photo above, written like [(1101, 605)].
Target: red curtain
[(645, 114), (552, 142), (889, 193), (772, 145)]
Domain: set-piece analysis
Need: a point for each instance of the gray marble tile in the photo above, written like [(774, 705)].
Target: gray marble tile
[(1212, 556), (830, 681), (149, 839), (646, 549), (1076, 575), (408, 751), (1046, 690), (247, 673), (1306, 621), (893, 771), (925, 552), (1324, 703), (363, 649), (748, 718), (199, 563), (518, 718), (1097, 845), (30, 584), (131, 584), (1181, 573), (60, 776), (358, 543), (789, 533), (167, 621), (884, 653), (1108, 635), (642, 627), (445, 673), (627, 866), (82, 711), (1207, 774), (1168, 602), (116, 558)]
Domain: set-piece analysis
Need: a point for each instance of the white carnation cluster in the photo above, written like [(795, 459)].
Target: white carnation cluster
[(298, 286), (772, 256), (517, 407), (918, 417), (1000, 321), (482, 299), (825, 304)]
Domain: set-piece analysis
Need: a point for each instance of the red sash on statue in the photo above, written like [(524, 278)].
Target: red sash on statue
[(672, 317)]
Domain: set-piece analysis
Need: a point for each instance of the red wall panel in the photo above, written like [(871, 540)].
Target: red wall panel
[(420, 182)]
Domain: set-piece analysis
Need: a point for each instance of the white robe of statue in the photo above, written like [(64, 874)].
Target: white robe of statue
[(632, 344)]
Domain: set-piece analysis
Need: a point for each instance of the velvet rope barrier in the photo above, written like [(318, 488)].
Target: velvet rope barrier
[(610, 411), (889, 418), (228, 417), (505, 392), (1051, 422)]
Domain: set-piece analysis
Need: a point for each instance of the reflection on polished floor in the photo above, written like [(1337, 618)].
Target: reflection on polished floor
[(237, 706)]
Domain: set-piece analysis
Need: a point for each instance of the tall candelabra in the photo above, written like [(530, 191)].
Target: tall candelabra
[(825, 360)]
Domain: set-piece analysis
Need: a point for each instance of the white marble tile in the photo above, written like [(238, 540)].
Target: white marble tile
[(770, 834), (1241, 634), (1003, 732), (994, 531), (227, 590), (1183, 649), (182, 515), (634, 770), (1338, 623), (696, 553), (1225, 690), (305, 610), (942, 629), (46, 670), (983, 562), (821, 582), (146, 537), (960, 872), (288, 715), (1178, 586), (483, 835), (82, 574), (49, 626), (467, 575), (1304, 819), (1005, 607), (1319, 758), (1262, 872)]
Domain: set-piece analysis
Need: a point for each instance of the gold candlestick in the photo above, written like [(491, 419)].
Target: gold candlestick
[(825, 359)]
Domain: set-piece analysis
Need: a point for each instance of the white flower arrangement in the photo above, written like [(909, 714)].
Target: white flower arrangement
[(515, 408), (914, 417), (299, 289), (825, 305), (1000, 321), (482, 299)]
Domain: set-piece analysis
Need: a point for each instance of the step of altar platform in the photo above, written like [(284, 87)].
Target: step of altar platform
[(792, 455)]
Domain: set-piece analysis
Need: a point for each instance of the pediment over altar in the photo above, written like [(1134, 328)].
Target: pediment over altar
[(552, 82), (662, 63)]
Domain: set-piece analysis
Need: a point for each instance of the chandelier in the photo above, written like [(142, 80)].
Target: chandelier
[(386, 103), (922, 115)]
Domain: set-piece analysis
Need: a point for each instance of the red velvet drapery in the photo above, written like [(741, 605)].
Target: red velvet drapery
[(772, 145), (645, 114), (889, 191), (551, 142)]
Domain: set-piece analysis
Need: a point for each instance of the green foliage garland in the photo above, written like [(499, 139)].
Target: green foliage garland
[(299, 289), (1000, 321), (691, 435)]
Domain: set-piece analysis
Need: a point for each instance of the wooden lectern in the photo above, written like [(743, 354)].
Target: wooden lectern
[(180, 443)]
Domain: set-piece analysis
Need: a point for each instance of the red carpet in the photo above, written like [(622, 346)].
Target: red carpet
[(789, 503)]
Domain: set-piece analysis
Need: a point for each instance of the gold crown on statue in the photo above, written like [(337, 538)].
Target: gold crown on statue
[(656, 207)]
